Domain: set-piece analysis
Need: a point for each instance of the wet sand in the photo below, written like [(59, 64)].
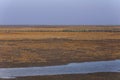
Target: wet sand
[(94, 76)]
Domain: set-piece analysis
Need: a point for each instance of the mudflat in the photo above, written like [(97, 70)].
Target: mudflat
[(95, 76)]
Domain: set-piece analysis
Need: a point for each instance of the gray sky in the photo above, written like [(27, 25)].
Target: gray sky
[(60, 12)]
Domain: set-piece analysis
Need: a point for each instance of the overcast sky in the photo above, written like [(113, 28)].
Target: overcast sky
[(60, 12)]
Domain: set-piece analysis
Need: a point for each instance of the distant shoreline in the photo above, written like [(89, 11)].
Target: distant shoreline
[(59, 25), (58, 28)]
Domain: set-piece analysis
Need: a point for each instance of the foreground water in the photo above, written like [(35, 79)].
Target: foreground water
[(72, 68)]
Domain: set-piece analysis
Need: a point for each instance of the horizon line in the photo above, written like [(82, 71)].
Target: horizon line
[(56, 25)]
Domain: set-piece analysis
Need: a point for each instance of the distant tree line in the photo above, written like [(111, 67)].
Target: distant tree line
[(60, 30), (91, 30)]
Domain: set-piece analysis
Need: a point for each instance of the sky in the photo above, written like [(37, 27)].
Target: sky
[(59, 12)]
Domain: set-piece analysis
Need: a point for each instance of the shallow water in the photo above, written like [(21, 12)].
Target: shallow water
[(72, 68)]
